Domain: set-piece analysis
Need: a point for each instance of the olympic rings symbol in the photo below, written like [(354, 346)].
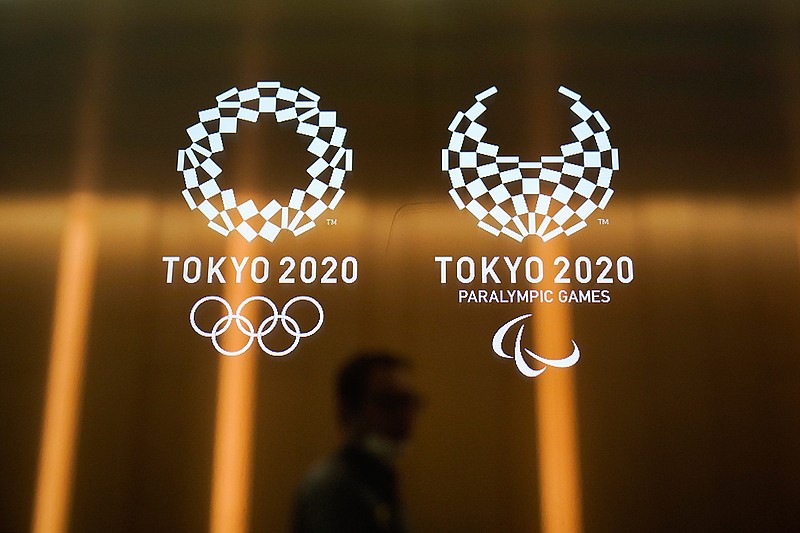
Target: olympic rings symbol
[(252, 332)]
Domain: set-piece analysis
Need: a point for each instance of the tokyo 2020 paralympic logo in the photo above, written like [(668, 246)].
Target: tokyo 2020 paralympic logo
[(248, 328), (546, 198), (326, 142)]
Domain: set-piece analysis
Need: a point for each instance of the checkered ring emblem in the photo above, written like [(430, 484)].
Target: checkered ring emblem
[(226, 213), (546, 198)]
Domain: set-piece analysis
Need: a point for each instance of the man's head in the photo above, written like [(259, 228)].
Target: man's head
[(375, 396)]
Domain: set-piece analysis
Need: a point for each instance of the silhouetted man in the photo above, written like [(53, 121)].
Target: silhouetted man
[(355, 491)]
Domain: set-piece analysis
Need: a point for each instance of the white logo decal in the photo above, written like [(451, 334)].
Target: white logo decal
[(220, 206), (552, 196), (288, 323), (522, 365)]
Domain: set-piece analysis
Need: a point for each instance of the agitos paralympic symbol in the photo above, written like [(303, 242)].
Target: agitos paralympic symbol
[(522, 365)]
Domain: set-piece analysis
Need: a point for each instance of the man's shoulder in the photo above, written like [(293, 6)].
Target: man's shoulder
[(331, 474), (331, 499)]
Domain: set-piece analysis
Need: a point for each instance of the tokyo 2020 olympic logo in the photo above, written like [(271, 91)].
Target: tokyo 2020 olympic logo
[(226, 213)]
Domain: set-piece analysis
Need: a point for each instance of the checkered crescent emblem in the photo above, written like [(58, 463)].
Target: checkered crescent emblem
[(325, 141), (546, 198)]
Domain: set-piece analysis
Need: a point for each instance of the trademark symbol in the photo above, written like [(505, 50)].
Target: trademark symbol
[(331, 221), (603, 221)]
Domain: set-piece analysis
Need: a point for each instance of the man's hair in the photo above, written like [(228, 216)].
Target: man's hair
[(353, 379)]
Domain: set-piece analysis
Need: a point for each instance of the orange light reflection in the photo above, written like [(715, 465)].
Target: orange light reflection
[(559, 467), (233, 438), (65, 372)]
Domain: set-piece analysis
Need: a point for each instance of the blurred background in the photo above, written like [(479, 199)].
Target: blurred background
[(683, 413)]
